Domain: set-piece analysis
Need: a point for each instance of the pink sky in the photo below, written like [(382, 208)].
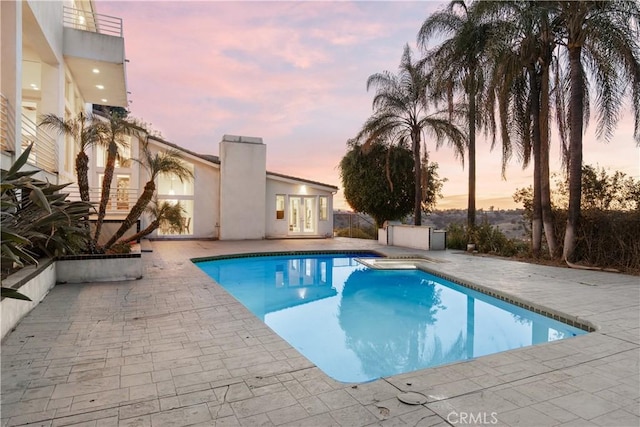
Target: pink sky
[(294, 73)]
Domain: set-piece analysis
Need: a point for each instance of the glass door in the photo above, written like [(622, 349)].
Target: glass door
[(302, 215), (309, 225), (294, 215)]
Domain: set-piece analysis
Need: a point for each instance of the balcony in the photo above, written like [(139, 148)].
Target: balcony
[(94, 52), (44, 154)]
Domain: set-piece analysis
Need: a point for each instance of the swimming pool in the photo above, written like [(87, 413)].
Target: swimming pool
[(358, 324)]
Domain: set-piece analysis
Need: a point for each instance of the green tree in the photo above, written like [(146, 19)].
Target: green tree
[(379, 181), (431, 184), (601, 41), (401, 115), (458, 64), (167, 162)]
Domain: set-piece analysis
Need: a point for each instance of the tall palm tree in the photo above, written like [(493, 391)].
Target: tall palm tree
[(167, 162), (87, 132), (118, 127), (401, 115), (457, 64), (522, 50), (600, 37)]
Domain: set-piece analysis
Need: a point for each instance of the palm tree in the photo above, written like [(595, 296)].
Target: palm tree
[(118, 127), (457, 64), (600, 37), (162, 212), (522, 47), (167, 162), (401, 115), (87, 132)]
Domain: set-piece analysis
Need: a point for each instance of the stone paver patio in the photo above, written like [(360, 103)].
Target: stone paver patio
[(174, 349)]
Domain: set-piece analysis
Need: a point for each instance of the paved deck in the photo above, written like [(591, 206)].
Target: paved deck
[(173, 349)]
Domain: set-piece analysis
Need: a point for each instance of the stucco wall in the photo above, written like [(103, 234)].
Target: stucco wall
[(206, 211), (242, 188)]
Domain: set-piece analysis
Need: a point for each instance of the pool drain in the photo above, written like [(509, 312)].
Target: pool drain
[(412, 398)]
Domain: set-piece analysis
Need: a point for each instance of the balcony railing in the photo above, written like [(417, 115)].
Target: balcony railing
[(7, 119), (44, 154), (121, 200), (93, 22)]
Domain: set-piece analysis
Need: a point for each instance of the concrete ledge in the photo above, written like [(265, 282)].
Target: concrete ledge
[(32, 281), (99, 268)]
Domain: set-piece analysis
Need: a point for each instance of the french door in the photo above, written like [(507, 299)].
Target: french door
[(302, 215)]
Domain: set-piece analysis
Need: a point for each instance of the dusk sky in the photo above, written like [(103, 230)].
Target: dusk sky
[(294, 73)]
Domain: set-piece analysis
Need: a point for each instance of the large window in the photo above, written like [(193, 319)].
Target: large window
[(324, 208), (170, 185), (122, 161), (165, 228), (279, 206), (172, 190)]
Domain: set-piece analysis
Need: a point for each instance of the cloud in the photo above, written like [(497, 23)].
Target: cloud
[(293, 73)]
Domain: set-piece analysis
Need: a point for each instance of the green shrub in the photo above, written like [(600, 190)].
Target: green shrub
[(456, 236), (606, 239), (487, 238)]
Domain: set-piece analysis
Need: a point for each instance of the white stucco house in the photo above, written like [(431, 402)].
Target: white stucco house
[(62, 57), (232, 196)]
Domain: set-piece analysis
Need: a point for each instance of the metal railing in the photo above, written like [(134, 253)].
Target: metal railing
[(121, 200), (7, 120), (93, 22), (44, 153), (353, 224)]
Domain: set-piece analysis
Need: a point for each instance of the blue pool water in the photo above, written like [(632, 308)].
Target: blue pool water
[(358, 324)]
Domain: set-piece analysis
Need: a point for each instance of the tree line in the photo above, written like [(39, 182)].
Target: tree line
[(513, 70)]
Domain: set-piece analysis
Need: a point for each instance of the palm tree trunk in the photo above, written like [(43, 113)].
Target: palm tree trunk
[(545, 187), (82, 175), (150, 228), (417, 211), (576, 111), (134, 213), (106, 188), (536, 223), (471, 205)]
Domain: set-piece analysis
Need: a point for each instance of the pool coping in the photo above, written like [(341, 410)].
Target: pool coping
[(540, 309)]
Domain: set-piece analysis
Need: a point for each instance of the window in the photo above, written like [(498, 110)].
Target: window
[(279, 206), (122, 161), (324, 208)]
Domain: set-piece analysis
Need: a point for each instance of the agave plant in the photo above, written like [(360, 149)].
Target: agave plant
[(37, 220)]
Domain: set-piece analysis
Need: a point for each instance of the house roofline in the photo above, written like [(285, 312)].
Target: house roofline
[(307, 181)]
